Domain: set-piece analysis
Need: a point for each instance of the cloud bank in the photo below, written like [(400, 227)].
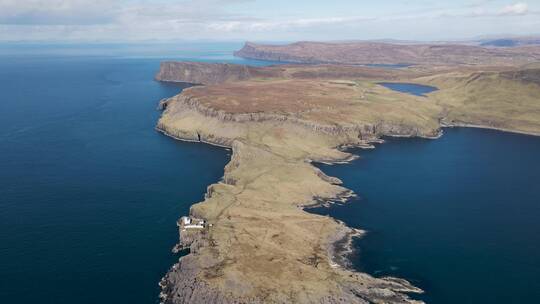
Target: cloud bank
[(133, 20)]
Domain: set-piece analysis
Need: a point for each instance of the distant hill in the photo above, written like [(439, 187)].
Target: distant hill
[(389, 53), (511, 42)]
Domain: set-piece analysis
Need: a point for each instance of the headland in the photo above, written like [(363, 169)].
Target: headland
[(258, 245)]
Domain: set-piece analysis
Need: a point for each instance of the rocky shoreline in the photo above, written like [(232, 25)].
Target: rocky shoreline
[(478, 126)]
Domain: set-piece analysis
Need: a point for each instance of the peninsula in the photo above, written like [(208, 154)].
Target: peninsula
[(257, 244)]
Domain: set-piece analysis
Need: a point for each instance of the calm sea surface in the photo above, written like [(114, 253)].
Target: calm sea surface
[(89, 192)]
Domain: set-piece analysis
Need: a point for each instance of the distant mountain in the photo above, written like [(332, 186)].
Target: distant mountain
[(363, 53), (511, 42)]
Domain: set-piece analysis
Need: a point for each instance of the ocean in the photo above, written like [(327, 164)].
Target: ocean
[(90, 192), (457, 216)]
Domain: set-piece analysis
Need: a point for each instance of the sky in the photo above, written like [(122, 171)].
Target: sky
[(261, 20)]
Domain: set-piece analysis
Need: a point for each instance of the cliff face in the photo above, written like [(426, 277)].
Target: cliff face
[(386, 53), (212, 73), (201, 73)]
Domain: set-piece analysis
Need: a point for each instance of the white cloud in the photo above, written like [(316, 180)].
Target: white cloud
[(516, 9), (221, 19), (267, 25), (57, 11)]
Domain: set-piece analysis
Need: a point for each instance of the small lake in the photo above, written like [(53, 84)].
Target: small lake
[(409, 88), (458, 216), (389, 66)]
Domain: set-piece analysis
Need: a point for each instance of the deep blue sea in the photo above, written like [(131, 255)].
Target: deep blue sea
[(458, 216), (89, 191)]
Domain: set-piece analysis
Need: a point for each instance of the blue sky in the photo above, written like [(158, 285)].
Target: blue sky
[(276, 20)]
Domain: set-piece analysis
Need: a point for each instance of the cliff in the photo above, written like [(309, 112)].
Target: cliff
[(209, 73)]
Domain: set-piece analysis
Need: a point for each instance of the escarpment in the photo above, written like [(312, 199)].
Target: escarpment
[(209, 73), (259, 245), (350, 133)]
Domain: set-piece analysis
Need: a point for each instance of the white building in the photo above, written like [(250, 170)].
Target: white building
[(187, 222)]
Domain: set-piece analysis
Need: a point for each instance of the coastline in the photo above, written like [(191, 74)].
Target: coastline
[(164, 132), (467, 125), (259, 213)]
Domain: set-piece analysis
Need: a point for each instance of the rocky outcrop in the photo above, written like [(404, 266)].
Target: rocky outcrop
[(182, 286), (355, 134)]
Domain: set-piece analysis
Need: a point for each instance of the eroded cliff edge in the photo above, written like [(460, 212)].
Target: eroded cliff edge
[(261, 246)]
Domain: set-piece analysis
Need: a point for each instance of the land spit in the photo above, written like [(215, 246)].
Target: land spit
[(262, 247)]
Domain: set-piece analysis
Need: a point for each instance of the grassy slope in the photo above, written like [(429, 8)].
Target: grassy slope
[(489, 99)]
